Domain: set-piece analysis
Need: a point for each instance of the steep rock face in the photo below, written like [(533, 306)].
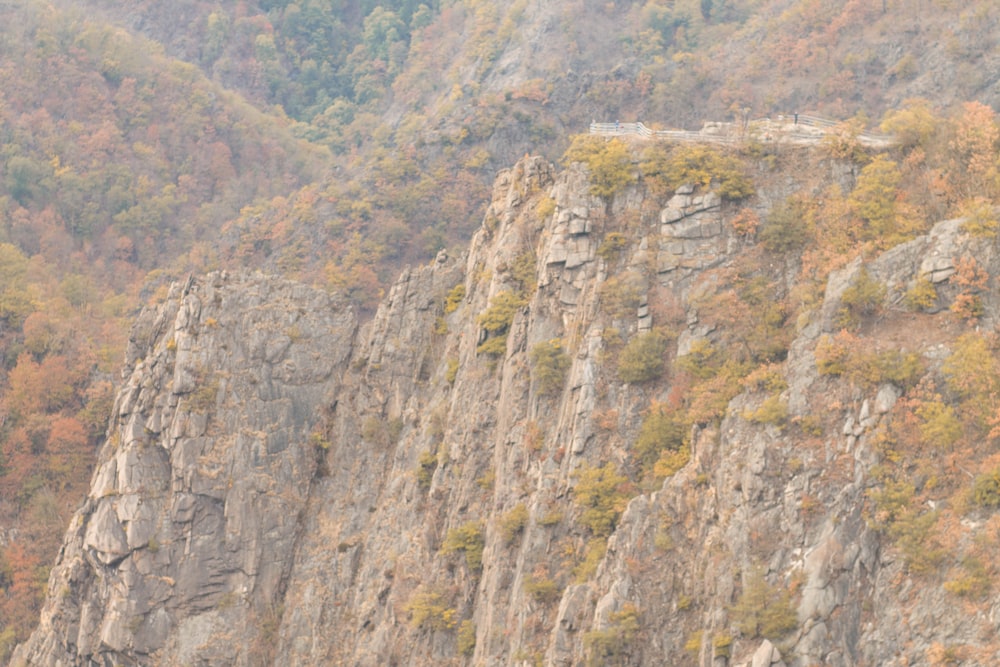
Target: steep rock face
[(434, 515), (185, 542)]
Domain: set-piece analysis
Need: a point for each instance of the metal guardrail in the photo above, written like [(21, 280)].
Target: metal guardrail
[(753, 129)]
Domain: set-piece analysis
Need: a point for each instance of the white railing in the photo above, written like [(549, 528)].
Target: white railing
[(643, 131), (763, 128)]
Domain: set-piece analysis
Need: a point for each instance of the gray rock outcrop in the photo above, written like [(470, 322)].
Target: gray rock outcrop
[(281, 487), (182, 551)]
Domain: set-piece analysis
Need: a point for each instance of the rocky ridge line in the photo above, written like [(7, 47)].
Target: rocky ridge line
[(423, 434)]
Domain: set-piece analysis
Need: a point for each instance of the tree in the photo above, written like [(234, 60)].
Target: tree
[(763, 610), (15, 299), (913, 125), (974, 148), (609, 162), (549, 363), (600, 495), (787, 227), (27, 179), (874, 198), (382, 30), (643, 358)]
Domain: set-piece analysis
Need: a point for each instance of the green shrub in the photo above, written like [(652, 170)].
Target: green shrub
[(611, 246), (786, 227), (599, 493), (763, 610), (903, 369), (611, 645), (939, 425), (874, 200), (922, 296), (465, 640), (454, 298), (701, 361), (722, 645), (451, 372), (980, 218), (642, 358), (986, 489), (913, 535), (545, 208), (840, 355), (496, 320), (8, 641), (467, 538), (622, 295), (551, 518), (487, 480), (426, 465), (863, 298), (970, 370), (549, 363), (842, 142), (319, 440), (513, 522), (493, 347), (831, 356), (662, 429), (204, 397), (692, 645), (697, 164), (609, 163), (524, 272), (378, 431), (670, 462), (498, 317), (974, 582), (429, 611), (543, 590), (592, 557), (892, 501), (772, 411)]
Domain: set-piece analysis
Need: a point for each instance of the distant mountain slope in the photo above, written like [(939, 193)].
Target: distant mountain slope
[(676, 405), (336, 142), (422, 103), (117, 164)]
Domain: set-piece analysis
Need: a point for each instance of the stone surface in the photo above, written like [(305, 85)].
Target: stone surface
[(279, 482), (189, 532)]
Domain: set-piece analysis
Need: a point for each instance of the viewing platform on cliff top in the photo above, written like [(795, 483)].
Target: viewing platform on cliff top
[(788, 129)]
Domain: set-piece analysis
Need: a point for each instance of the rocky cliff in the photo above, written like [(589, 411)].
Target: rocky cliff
[(484, 475)]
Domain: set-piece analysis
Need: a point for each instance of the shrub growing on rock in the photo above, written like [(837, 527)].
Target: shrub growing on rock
[(467, 538), (609, 162), (763, 610), (429, 610), (642, 358), (465, 640), (786, 227), (513, 522), (549, 363), (599, 493), (863, 298), (610, 646), (698, 164), (496, 320), (986, 489), (622, 295), (662, 429)]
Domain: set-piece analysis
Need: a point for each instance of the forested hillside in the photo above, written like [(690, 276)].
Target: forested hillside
[(336, 141)]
